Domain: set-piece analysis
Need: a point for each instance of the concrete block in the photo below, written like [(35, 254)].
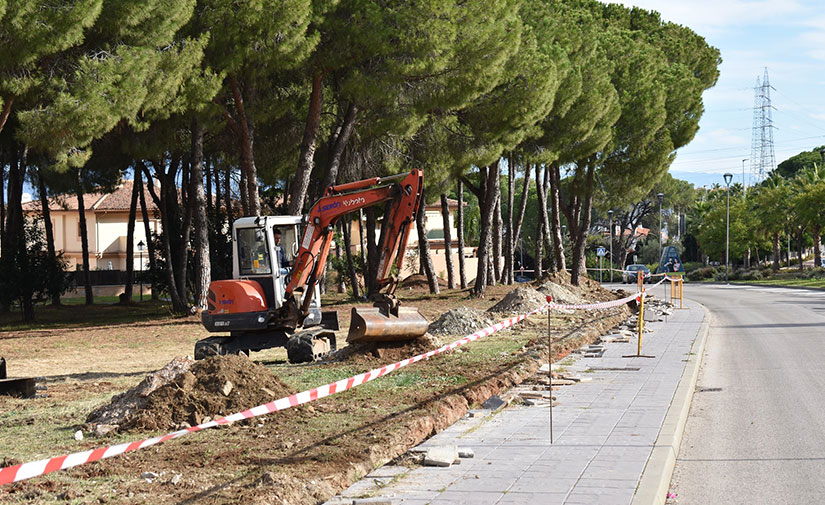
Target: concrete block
[(466, 452), (494, 403), (442, 456)]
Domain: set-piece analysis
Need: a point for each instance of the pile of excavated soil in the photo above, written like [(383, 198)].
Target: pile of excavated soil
[(460, 321), (419, 281), (110, 417), (370, 353), (561, 294), (210, 388), (518, 301)]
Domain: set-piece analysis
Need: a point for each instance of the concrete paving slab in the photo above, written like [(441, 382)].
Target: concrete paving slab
[(605, 431)]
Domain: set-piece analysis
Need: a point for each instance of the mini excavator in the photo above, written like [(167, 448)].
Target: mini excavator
[(268, 304)]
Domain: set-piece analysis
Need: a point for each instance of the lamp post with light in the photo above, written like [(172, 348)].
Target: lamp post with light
[(744, 186), (141, 246), (728, 177), (610, 218)]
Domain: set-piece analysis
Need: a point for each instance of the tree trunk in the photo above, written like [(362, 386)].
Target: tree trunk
[(150, 244), (424, 247), (362, 238), (558, 239), (168, 204), (353, 276), (47, 223), (448, 246), (249, 173), (497, 238), (509, 251), (84, 240), (799, 239), (340, 284), (2, 203), (217, 213), (181, 252), (462, 273), (203, 267), (582, 228), (525, 187), (337, 143), (776, 254), (371, 253), (306, 157), (4, 115), (817, 245), (208, 173), (485, 239), (227, 195), (130, 245)]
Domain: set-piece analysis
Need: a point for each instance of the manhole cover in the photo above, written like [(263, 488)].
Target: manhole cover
[(708, 390)]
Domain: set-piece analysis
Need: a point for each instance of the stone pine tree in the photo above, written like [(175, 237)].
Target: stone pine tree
[(31, 35), (252, 43)]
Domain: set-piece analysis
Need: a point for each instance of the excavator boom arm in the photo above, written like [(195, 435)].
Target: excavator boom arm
[(402, 191)]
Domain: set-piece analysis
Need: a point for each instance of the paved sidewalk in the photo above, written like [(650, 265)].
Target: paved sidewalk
[(604, 432)]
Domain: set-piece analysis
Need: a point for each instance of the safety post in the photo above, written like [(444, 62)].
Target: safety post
[(676, 285), (641, 325), (640, 279), (550, 365)]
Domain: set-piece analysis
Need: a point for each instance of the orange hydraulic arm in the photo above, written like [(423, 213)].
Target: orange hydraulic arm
[(402, 191)]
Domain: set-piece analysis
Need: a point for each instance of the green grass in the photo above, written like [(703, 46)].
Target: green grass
[(804, 283), (81, 300), (73, 315)]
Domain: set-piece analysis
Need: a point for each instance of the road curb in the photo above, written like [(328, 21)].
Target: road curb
[(655, 480)]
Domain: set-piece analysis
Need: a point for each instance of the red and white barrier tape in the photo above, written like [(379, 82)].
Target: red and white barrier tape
[(593, 306), (23, 471)]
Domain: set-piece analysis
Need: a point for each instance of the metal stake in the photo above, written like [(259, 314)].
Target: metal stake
[(550, 371)]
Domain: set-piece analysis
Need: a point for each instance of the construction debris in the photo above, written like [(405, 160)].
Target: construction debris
[(518, 301), (460, 321), (561, 294), (443, 456)]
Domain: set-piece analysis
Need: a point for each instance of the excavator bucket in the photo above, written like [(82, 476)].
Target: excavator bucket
[(376, 325)]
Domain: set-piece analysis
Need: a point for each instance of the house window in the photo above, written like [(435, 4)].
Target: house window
[(79, 234)]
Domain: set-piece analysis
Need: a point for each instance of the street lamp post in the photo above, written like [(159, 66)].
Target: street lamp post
[(610, 218), (661, 197), (141, 246), (728, 178), (744, 186)]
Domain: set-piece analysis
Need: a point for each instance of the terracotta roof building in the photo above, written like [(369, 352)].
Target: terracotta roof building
[(107, 216)]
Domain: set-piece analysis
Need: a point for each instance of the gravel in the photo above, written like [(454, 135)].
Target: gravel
[(460, 321)]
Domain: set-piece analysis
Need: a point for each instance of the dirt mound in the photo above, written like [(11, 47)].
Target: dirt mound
[(518, 301), (109, 417), (461, 321), (385, 352), (419, 281), (213, 387), (561, 294)]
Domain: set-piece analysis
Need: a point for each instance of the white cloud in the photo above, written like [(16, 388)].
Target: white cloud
[(815, 42), (27, 197), (710, 17)]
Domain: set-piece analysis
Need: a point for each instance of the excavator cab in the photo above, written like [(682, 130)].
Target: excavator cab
[(273, 298)]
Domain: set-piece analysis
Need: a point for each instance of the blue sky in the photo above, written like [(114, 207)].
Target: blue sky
[(787, 37)]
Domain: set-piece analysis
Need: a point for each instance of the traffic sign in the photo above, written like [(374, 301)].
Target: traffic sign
[(601, 252)]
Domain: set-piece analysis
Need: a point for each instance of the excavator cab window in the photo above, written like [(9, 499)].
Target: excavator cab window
[(253, 252)]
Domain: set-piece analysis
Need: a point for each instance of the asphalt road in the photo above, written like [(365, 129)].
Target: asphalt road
[(756, 430)]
